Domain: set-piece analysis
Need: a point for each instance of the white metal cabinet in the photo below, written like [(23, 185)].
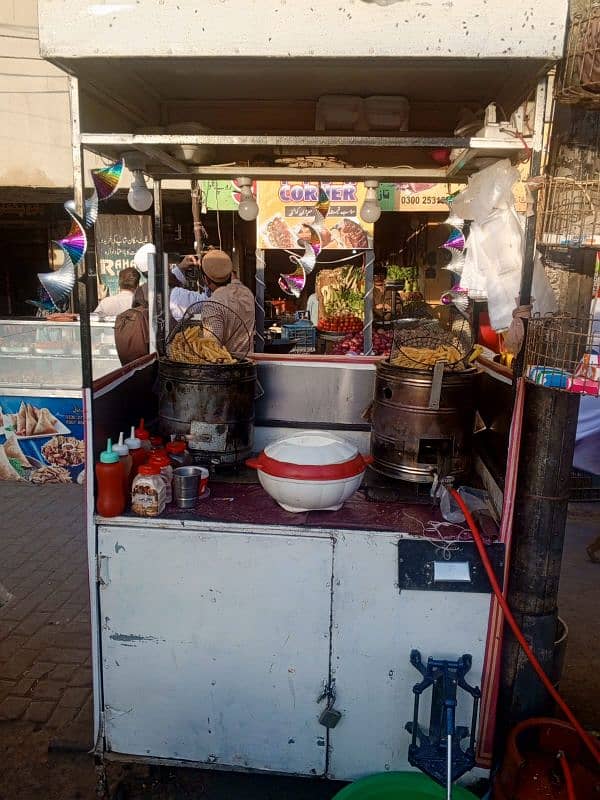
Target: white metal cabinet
[(215, 646), (375, 626)]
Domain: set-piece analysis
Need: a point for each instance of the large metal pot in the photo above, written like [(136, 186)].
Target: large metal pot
[(415, 428), (214, 403)]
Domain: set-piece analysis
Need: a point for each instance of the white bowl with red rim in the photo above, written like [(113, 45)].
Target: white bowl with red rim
[(310, 471)]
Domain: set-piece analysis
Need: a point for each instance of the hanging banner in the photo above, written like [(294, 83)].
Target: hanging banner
[(288, 215), (221, 195), (118, 237), (430, 197), (413, 197), (41, 439)]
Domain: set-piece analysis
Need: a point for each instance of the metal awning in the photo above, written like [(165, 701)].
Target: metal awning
[(241, 154)]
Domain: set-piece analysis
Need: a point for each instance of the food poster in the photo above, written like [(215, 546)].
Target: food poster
[(118, 237), (41, 439), (288, 214)]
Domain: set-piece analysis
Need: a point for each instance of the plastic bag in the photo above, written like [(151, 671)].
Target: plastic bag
[(495, 245), (471, 278), (542, 295), (487, 190), (476, 500), (500, 255)]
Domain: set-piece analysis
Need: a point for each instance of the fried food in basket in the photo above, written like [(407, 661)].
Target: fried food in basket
[(418, 357), (191, 347)]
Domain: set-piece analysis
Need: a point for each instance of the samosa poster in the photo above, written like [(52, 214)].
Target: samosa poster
[(41, 439)]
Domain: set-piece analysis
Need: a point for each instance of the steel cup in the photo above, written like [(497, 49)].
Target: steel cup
[(187, 485)]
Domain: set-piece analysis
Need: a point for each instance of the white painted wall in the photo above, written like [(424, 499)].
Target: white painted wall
[(34, 105), (282, 28)]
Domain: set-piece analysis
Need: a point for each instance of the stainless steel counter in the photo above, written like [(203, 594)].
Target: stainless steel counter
[(314, 393)]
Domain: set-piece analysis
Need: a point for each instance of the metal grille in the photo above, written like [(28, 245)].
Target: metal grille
[(569, 214), (579, 76), (190, 340), (422, 343), (562, 352)]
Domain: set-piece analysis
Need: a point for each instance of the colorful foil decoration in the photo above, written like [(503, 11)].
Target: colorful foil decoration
[(59, 284), (456, 241), (106, 179), (308, 260), (457, 263), (454, 221), (457, 297), (323, 203), (310, 234), (75, 242), (293, 284), (91, 210)]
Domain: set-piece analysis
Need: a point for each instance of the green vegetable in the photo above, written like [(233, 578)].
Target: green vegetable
[(16, 464), (396, 273)]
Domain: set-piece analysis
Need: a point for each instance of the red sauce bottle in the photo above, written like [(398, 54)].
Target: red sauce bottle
[(111, 499), (178, 453), (143, 435)]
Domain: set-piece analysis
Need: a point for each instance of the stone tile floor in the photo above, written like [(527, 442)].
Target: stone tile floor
[(45, 660), (45, 671)]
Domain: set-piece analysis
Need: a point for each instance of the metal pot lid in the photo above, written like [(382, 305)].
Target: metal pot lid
[(316, 449)]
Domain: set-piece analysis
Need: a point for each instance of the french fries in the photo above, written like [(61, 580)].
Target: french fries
[(414, 357), (191, 347)]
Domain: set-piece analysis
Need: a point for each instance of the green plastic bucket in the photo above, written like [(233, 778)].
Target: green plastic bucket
[(400, 786)]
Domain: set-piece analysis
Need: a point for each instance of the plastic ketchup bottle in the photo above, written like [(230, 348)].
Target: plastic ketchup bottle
[(111, 489), (143, 435), (126, 461), (138, 454)]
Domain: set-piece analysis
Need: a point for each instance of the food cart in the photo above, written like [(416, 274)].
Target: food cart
[(220, 636)]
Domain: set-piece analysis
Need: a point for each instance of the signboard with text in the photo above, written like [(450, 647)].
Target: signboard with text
[(416, 197), (287, 215), (118, 237)]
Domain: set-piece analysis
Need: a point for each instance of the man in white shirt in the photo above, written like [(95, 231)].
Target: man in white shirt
[(234, 331), (181, 299), (312, 308), (112, 306)]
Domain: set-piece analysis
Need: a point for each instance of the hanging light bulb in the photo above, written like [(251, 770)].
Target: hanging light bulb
[(139, 196), (248, 207), (370, 210)]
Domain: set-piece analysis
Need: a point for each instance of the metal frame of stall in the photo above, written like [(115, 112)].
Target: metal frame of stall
[(109, 144)]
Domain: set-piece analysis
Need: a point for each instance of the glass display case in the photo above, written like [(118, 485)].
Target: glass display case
[(37, 353)]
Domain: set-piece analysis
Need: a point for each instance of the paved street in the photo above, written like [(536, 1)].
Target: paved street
[(45, 674)]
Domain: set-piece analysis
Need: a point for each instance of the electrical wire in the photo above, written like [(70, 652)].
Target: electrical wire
[(218, 220), (329, 263), (519, 136), (567, 775), (585, 738)]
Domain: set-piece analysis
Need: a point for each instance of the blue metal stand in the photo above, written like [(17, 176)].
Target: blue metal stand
[(438, 752)]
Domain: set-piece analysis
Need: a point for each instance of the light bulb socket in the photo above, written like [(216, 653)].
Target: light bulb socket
[(247, 207), (370, 210)]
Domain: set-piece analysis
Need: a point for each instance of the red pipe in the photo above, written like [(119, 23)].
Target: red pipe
[(567, 775), (590, 745)]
